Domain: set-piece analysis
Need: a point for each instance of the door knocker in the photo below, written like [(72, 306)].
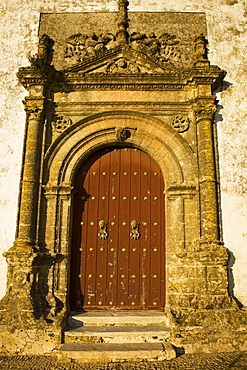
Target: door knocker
[(135, 230), (103, 234)]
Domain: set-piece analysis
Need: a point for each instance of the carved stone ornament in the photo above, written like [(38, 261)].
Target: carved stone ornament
[(122, 66), (121, 133), (161, 48), (61, 123), (180, 123), (201, 50)]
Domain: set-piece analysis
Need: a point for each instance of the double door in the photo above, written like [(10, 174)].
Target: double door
[(122, 252)]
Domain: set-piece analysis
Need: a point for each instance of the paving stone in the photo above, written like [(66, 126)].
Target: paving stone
[(220, 361)]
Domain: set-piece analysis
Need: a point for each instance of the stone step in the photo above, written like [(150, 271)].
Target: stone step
[(77, 318), (105, 352), (117, 334)]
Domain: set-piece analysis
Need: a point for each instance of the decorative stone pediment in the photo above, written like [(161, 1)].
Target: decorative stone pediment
[(120, 60)]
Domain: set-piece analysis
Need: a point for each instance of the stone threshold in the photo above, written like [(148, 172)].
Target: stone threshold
[(104, 318), (108, 352)]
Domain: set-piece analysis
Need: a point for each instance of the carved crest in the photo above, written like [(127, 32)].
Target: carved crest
[(161, 50)]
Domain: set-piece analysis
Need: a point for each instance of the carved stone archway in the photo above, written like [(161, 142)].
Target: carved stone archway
[(137, 90), (171, 153)]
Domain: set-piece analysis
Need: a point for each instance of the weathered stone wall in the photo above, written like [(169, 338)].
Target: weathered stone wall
[(227, 28)]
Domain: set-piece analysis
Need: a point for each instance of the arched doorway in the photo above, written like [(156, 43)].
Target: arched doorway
[(118, 240)]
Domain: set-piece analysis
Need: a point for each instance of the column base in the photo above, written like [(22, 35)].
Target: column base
[(30, 320), (208, 331)]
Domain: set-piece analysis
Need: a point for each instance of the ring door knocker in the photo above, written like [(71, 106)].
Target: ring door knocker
[(103, 234), (135, 230)]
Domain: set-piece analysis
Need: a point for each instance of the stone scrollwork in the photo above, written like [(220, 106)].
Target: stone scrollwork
[(180, 123), (82, 46), (61, 123)]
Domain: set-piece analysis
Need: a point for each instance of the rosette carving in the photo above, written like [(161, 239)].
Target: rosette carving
[(61, 123), (180, 123)]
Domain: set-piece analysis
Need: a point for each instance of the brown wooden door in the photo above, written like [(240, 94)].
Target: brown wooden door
[(121, 265)]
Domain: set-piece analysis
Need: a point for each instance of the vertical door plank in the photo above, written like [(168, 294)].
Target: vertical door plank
[(124, 225), (135, 214)]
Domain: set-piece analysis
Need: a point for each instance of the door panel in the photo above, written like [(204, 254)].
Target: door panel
[(121, 266)]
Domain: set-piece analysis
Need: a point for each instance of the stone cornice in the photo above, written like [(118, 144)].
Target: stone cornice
[(83, 77), (176, 79), (28, 76)]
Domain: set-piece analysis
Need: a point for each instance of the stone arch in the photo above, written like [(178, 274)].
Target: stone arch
[(147, 133)]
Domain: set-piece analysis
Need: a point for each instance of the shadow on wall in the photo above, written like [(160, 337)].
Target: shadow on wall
[(225, 85), (231, 284)]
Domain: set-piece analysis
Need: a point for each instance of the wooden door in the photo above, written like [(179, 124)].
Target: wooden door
[(120, 209)]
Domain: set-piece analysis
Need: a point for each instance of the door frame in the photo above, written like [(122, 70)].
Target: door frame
[(172, 154)]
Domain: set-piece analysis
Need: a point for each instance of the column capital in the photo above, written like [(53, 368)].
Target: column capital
[(34, 106), (57, 189), (204, 109)]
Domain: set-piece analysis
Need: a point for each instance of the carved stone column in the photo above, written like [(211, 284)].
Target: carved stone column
[(26, 228), (204, 112)]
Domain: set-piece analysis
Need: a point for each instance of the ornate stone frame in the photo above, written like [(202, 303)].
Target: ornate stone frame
[(98, 131)]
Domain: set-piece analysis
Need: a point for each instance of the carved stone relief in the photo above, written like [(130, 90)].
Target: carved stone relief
[(122, 66), (61, 123), (82, 46), (180, 123), (121, 133), (162, 48)]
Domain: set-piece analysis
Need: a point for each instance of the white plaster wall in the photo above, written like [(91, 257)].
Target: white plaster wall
[(227, 35)]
